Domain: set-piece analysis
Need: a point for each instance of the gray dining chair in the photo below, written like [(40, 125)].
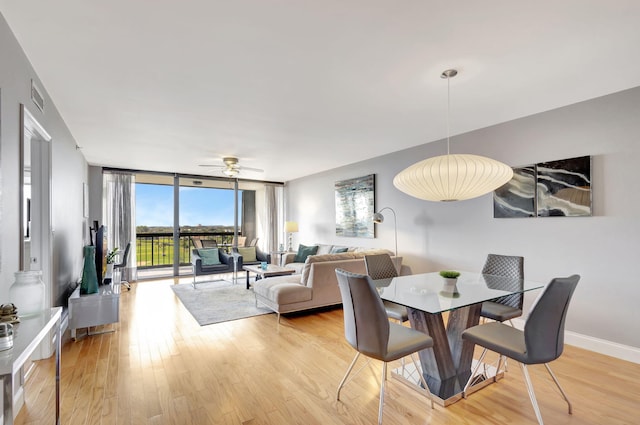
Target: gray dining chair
[(510, 306), (541, 341), (369, 331), (381, 266)]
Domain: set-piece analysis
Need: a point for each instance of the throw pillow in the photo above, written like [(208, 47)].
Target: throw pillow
[(305, 251), (248, 254), (210, 256), (338, 250)]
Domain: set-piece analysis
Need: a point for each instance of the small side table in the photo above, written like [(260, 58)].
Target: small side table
[(88, 310)]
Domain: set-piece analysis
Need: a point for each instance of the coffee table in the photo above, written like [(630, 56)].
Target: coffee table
[(271, 270)]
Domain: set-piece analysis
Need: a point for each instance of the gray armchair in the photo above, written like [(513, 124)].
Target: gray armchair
[(199, 268), (260, 257)]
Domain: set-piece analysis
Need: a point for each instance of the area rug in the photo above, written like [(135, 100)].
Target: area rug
[(220, 301)]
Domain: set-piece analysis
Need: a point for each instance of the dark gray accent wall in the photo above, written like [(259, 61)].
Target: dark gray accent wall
[(603, 248), (69, 171)]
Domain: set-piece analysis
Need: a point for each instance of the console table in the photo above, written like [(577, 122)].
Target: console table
[(101, 308), (27, 335)]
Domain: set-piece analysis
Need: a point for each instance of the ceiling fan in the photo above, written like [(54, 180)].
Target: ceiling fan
[(231, 168)]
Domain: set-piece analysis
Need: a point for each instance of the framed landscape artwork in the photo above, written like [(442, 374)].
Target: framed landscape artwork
[(355, 207)]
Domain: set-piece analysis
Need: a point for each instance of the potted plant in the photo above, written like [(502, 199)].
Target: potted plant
[(450, 280), (111, 258)]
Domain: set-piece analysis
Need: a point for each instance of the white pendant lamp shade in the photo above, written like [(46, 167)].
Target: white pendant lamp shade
[(452, 177)]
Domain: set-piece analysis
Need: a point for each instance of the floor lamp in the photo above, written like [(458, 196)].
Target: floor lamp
[(379, 218), (290, 227)]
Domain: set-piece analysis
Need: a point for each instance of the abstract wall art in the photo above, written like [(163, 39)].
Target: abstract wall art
[(355, 207), (548, 189), (564, 187), (517, 197)]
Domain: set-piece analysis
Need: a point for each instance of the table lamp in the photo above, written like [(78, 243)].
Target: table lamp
[(290, 227)]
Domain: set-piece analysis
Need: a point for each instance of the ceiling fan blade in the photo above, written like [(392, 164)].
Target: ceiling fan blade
[(212, 166), (257, 170)]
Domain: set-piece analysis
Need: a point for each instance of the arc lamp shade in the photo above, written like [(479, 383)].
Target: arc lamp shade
[(454, 177)]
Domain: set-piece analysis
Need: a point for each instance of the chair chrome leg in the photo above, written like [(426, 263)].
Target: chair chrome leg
[(473, 373), (532, 394), (500, 359), (346, 375), (559, 387), (382, 382), (415, 364)]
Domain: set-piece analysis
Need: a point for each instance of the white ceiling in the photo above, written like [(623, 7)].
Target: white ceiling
[(296, 87)]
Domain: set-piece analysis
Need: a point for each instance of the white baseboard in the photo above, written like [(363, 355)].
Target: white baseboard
[(601, 346)]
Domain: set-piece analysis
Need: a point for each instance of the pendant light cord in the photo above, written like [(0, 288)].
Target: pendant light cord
[(448, 111), (448, 74)]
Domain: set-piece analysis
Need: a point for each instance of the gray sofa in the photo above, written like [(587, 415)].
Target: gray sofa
[(288, 259), (316, 286)]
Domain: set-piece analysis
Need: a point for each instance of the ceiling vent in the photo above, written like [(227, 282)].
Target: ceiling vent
[(37, 97)]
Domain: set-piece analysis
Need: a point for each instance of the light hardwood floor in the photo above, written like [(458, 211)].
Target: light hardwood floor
[(161, 367)]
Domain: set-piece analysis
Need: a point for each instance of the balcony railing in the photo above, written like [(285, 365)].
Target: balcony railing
[(156, 249)]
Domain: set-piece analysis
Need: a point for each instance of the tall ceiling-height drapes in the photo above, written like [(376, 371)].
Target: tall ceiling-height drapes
[(118, 212), (271, 218)]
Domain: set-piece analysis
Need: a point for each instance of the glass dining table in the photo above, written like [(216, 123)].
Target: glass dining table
[(447, 366)]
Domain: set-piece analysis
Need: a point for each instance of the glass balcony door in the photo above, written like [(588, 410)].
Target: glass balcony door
[(208, 215)]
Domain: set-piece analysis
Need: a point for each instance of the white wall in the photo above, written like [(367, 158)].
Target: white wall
[(69, 171), (603, 248)]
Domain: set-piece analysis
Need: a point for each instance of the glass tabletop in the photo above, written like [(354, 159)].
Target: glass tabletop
[(425, 291)]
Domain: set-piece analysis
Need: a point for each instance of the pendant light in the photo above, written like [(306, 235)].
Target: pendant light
[(452, 177)]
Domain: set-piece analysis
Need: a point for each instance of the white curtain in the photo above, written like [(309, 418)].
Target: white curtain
[(273, 213), (119, 215)]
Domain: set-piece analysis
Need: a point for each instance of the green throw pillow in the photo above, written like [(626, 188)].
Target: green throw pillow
[(248, 254), (337, 250), (210, 256), (305, 251)]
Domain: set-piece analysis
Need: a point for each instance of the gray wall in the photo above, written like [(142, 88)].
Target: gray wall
[(603, 249), (68, 165)]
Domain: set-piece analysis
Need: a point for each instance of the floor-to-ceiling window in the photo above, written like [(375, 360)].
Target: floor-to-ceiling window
[(154, 225), (175, 213)]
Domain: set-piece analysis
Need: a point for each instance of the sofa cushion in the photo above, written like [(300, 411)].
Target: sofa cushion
[(248, 254), (296, 267), (282, 292), (323, 248), (304, 251), (338, 249), (214, 268), (210, 256)]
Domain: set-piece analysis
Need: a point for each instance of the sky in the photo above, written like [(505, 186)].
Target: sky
[(204, 206)]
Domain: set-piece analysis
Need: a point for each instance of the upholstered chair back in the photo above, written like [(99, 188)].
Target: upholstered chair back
[(508, 266), (380, 266), (366, 326), (544, 328)]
